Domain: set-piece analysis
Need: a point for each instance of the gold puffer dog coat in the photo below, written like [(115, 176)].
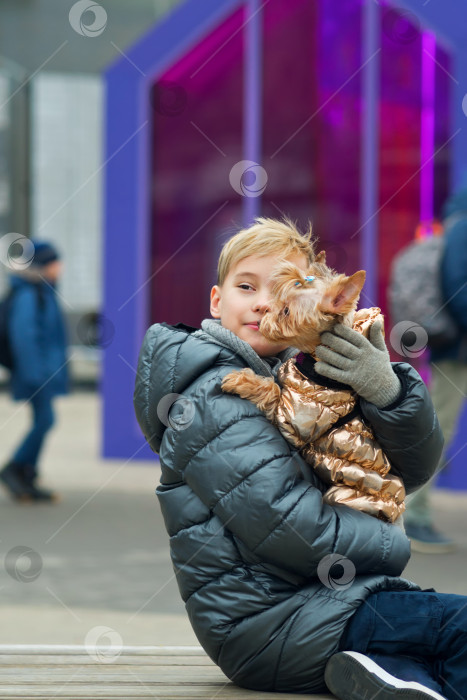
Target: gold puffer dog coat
[(345, 454)]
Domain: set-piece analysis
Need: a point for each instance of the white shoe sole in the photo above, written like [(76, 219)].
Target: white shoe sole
[(353, 676)]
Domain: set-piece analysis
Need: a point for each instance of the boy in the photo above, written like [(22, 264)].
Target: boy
[(255, 550)]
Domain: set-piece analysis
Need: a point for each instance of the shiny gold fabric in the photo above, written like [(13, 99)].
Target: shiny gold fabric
[(347, 458)]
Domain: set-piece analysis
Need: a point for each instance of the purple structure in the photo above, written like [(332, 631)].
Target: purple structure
[(134, 109), (326, 101)]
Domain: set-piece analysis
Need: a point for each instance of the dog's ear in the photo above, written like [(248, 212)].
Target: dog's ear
[(321, 257), (343, 294)]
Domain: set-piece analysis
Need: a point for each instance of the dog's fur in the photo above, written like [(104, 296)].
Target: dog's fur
[(299, 312)]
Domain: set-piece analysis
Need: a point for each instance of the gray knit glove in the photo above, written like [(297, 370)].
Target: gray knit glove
[(348, 357)]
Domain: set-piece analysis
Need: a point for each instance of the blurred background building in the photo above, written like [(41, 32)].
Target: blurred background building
[(52, 95), (138, 137), (351, 114)]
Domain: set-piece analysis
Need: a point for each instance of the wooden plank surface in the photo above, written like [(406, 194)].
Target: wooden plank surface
[(76, 672)]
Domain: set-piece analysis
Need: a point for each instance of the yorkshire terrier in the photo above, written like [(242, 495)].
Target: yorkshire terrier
[(310, 410)]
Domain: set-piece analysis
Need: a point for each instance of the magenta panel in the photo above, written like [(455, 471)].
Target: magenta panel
[(197, 138), (414, 131), (400, 147), (311, 120)]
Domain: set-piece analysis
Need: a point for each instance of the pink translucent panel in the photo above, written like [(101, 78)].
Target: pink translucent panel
[(197, 138), (400, 147), (311, 142), (311, 120), (414, 126)]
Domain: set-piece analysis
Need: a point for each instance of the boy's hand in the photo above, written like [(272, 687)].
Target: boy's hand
[(348, 357)]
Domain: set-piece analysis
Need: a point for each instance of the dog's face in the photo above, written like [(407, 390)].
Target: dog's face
[(305, 304)]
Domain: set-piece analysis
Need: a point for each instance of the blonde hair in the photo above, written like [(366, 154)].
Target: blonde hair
[(265, 237)]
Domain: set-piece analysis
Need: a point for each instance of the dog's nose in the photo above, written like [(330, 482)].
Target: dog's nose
[(262, 308)]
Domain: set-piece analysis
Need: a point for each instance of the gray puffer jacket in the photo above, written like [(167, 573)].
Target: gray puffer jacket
[(250, 536)]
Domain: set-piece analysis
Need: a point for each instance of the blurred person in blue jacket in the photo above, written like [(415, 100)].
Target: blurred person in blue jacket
[(449, 371), (37, 337)]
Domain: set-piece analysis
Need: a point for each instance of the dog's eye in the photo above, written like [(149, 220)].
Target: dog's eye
[(286, 311)]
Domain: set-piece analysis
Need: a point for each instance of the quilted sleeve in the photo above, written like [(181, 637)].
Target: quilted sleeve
[(408, 431)]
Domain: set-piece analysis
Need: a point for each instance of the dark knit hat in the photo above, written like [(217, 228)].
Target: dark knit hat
[(44, 253)]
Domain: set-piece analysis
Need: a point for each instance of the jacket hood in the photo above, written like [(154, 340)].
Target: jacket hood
[(455, 204), (170, 360)]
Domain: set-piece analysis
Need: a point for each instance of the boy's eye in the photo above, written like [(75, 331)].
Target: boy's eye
[(245, 286)]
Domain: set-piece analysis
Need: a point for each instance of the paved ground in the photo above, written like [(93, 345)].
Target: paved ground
[(99, 558)]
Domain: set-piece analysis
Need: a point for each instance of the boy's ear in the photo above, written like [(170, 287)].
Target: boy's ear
[(343, 294), (215, 299)]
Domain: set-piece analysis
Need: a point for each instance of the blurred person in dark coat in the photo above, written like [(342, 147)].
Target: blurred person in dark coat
[(449, 372), (37, 337)]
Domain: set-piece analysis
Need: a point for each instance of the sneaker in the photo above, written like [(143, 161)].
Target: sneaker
[(21, 486), (427, 540), (42, 495), (36, 493), (353, 676), (10, 477)]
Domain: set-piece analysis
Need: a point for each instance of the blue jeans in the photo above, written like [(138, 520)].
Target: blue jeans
[(416, 636), (42, 420)]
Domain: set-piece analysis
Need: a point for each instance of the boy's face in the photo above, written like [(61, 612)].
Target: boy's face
[(244, 298)]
